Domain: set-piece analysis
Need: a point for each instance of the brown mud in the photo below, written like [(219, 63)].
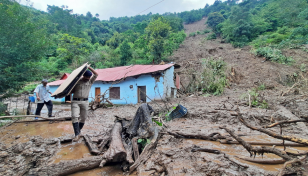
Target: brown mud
[(24, 146)]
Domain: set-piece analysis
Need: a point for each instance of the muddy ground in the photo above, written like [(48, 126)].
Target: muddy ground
[(25, 146)]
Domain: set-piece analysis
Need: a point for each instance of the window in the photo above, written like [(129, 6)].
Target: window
[(114, 93)]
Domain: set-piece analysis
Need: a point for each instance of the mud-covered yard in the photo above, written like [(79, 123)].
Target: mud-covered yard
[(26, 146)]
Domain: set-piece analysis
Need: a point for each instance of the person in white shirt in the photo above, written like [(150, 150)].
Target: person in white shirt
[(42, 97)]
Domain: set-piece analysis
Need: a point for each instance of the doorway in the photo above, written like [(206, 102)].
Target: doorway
[(68, 99), (97, 94), (142, 94)]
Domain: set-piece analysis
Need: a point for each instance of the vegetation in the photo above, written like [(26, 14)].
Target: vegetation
[(212, 80), (36, 44), (280, 23), (254, 98), (273, 55)]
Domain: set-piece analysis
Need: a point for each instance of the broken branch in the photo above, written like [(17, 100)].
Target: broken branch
[(262, 161), (257, 150), (287, 138), (284, 122)]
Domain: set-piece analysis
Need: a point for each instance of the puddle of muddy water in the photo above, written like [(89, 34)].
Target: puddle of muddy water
[(108, 170), (71, 152), (43, 129)]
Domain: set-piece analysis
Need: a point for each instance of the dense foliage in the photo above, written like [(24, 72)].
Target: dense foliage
[(36, 44), (279, 23)]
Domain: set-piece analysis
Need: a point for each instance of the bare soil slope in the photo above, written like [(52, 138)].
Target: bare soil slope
[(250, 69)]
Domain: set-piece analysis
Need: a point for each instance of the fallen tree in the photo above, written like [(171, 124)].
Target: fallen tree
[(123, 145), (67, 167)]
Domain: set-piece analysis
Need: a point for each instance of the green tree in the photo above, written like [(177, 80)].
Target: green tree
[(126, 52), (22, 44), (214, 19), (157, 31), (71, 49)]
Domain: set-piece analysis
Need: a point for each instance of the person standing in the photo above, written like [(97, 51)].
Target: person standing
[(41, 91), (80, 103)]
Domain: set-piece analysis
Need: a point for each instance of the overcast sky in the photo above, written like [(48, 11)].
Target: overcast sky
[(119, 8)]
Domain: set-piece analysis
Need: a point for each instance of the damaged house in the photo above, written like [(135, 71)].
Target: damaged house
[(130, 84)]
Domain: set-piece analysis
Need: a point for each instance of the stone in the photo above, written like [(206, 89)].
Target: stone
[(4, 154)]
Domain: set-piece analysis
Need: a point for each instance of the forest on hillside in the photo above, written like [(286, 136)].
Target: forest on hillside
[(36, 44)]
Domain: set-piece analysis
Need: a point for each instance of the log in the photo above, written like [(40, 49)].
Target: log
[(67, 167), (116, 151), (264, 143), (262, 161), (2, 117), (287, 138), (146, 153), (135, 148), (92, 147), (211, 137), (205, 150), (257, 150)]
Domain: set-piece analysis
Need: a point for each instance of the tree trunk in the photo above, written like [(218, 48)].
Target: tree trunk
[(116, 151), (67, 167)]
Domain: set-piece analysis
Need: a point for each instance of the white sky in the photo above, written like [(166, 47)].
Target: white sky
[(119, 8)]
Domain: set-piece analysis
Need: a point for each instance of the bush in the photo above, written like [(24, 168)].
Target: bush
[(273, 54), (192, 34), (28, 88), (198, 32), (212, 80), (3, 108), (211, 36), (256, 99), (206, 31)]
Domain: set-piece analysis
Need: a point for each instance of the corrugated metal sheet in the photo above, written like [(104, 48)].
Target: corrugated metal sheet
[(117, 73), (56, 83)]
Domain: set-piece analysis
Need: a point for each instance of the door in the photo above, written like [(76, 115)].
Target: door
[(97, 94), (142, 94)]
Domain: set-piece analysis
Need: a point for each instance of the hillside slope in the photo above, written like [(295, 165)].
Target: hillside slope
[(250, 70)]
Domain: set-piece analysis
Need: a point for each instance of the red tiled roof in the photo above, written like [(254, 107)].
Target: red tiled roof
[(117, 73)]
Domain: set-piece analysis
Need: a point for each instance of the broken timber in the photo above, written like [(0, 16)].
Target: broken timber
[(92, 147)]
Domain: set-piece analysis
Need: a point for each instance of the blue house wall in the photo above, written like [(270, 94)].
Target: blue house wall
[(157, 87)]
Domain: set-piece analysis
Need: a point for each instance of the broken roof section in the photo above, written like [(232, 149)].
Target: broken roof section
[(117, 73)]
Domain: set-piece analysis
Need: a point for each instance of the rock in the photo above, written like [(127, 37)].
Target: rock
[(4, 154), (17, 137)]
